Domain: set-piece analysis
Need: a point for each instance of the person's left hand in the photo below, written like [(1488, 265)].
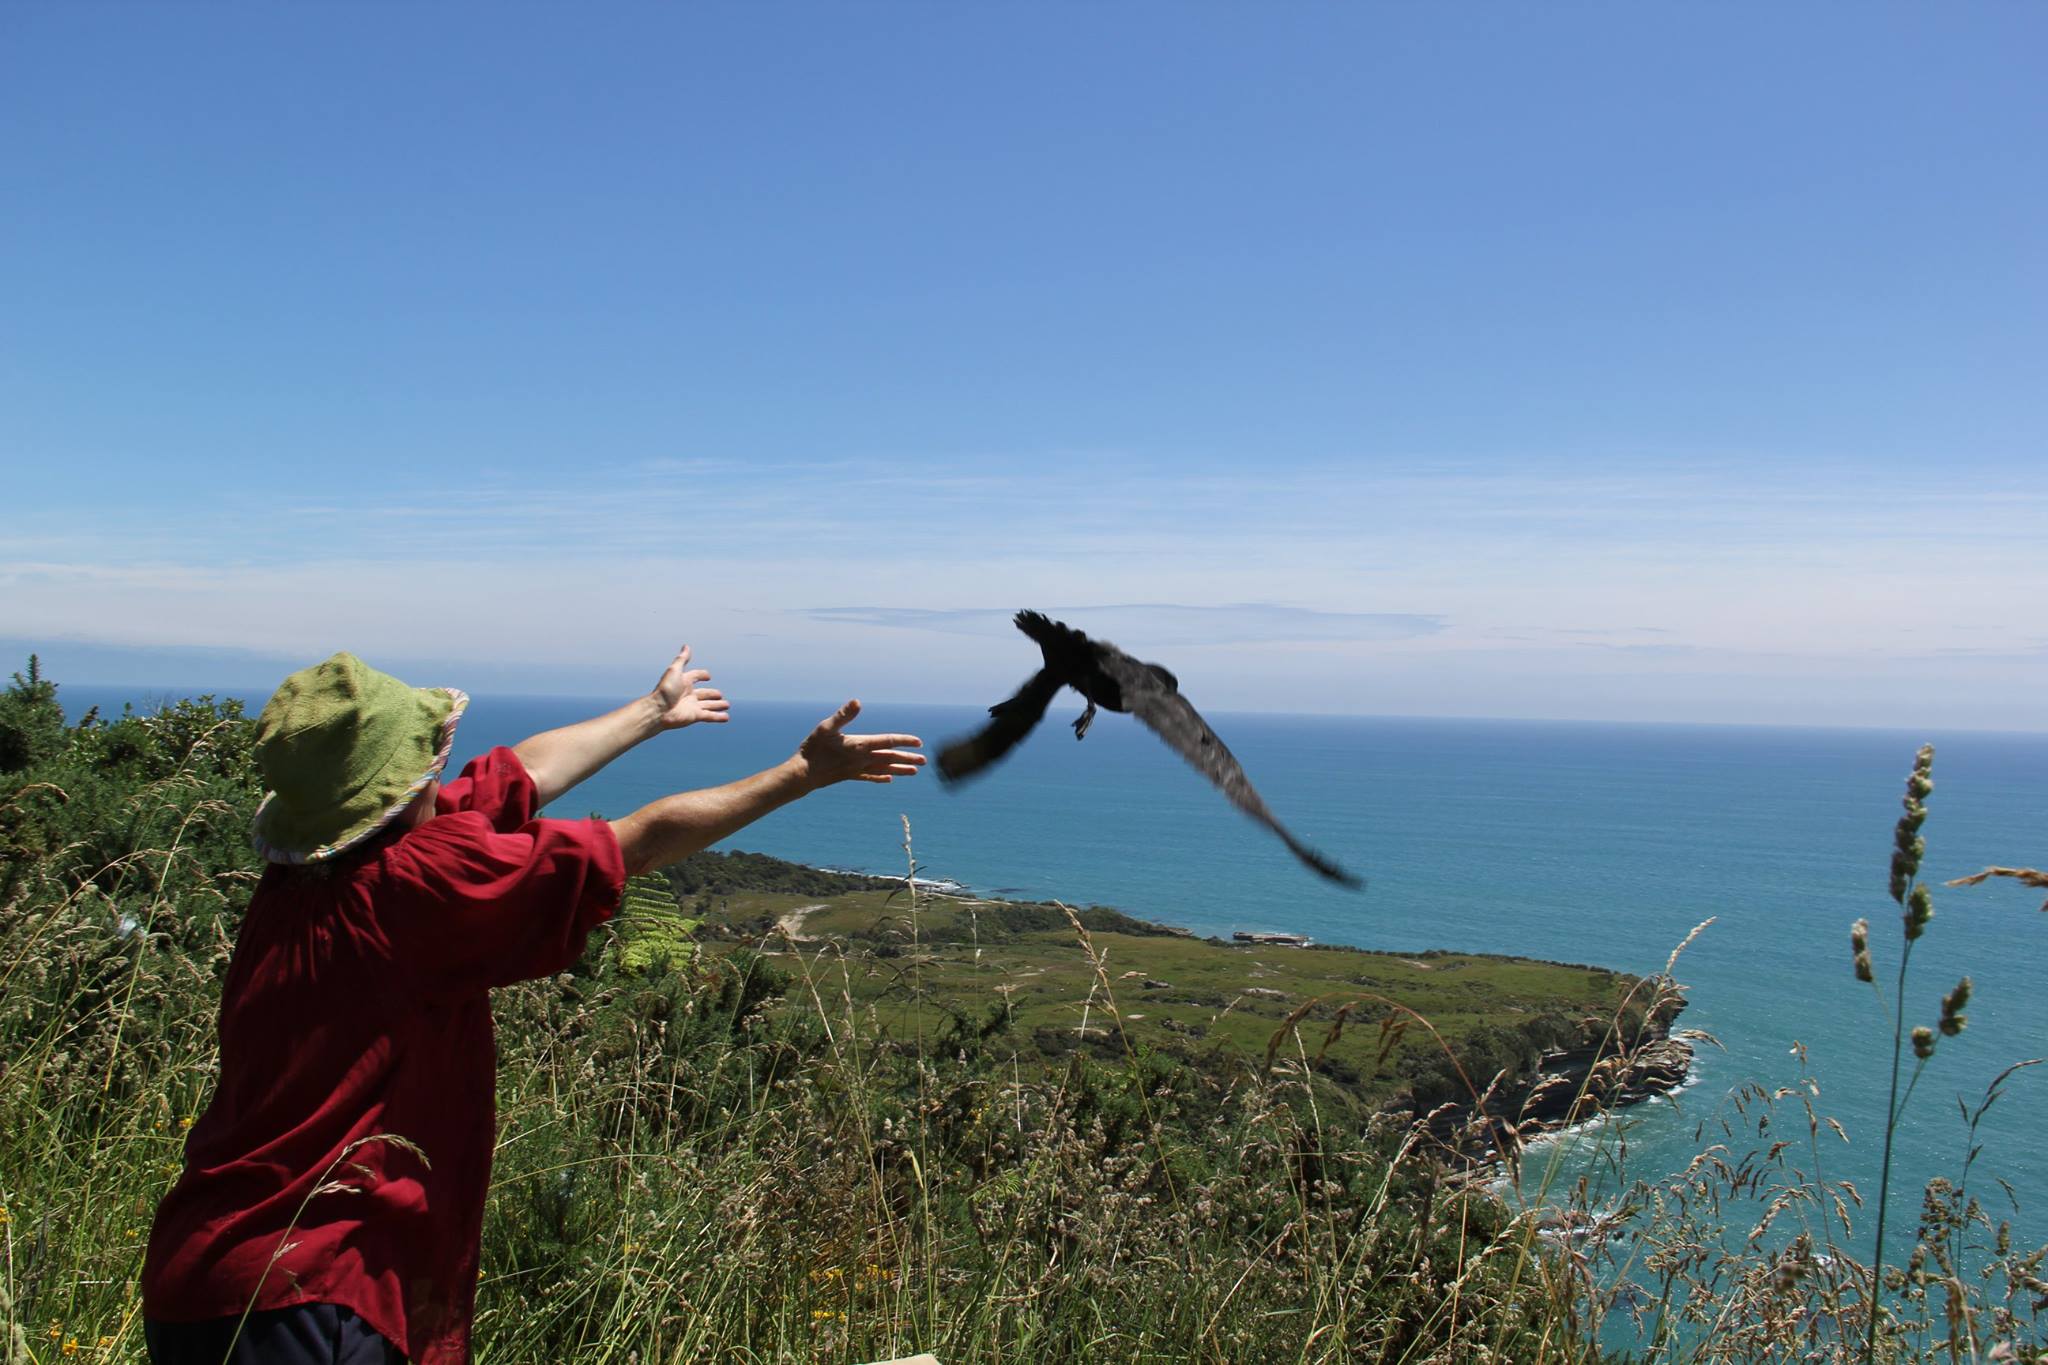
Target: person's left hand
[(682, 701)]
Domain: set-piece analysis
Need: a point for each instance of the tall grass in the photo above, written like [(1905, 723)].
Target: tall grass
[(729, 1157)]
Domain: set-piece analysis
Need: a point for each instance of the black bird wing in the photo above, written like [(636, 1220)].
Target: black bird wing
[(1153, 699), (1013, 719)]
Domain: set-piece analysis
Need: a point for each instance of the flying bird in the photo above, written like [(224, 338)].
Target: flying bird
[(1106, 676)]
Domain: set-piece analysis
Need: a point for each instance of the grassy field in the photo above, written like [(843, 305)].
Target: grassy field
[(918, 964), (971, 1128)]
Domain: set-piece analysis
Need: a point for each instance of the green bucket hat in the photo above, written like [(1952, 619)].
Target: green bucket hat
[(344, 749)]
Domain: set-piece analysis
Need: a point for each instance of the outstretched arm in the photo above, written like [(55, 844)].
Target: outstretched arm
[(671, 829), (557, 760)]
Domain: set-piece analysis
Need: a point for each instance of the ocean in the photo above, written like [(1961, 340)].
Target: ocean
[(1594, 843)]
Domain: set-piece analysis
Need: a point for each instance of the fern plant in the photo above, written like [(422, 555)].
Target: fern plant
[(654, 935)]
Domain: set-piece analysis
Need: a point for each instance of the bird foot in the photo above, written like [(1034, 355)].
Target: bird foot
[(1083, 721)]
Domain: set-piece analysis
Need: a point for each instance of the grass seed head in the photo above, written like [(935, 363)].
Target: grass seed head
[(1953, 1020), (1902, 876), (1907, 846), (1923, 1042), (1919, 910), (1859, 943)]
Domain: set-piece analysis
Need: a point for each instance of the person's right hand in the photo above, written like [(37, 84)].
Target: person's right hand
[(830, 755)]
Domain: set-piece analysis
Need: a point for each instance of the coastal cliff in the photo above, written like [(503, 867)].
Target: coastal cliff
[(1572, 1085)]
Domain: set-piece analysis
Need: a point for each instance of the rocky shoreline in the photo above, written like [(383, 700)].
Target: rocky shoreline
[(1570, 1087)]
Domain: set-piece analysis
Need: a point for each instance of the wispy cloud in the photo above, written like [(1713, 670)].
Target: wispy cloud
[(1600, 632), (1378, 587), (1113, 506), (1156, 623), (1668, 651)]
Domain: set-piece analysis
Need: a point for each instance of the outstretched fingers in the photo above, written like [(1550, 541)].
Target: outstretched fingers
[(883, 758), (885, 742), (881, 764)]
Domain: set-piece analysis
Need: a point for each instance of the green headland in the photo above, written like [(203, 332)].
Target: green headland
[(1035, 982)]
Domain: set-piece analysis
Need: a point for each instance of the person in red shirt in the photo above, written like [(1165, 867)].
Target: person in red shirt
[(331, 1203)]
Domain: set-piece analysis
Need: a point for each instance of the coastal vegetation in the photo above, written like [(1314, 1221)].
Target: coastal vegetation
[(1015, 974), (779, 1113)]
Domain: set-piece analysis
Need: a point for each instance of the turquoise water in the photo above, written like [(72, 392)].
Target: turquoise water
[(1585, 843)]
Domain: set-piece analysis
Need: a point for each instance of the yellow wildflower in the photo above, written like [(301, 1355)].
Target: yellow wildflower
[(71, 1346), (185, 1122), (104, 1342), (56, 1330)]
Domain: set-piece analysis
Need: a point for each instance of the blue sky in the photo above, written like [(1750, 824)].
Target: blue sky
[(1591, 361)]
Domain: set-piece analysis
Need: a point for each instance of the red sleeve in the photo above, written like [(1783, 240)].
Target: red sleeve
[(494, 784), (466, 906)]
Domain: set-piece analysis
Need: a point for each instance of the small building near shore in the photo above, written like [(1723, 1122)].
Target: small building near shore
[(1273, 940)]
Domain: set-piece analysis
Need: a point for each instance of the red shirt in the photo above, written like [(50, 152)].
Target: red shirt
[(356, 1006)]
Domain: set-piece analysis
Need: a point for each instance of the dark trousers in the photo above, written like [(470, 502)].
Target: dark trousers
[(307, 1334)]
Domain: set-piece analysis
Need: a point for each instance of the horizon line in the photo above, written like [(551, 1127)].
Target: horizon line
[(157, 693)]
